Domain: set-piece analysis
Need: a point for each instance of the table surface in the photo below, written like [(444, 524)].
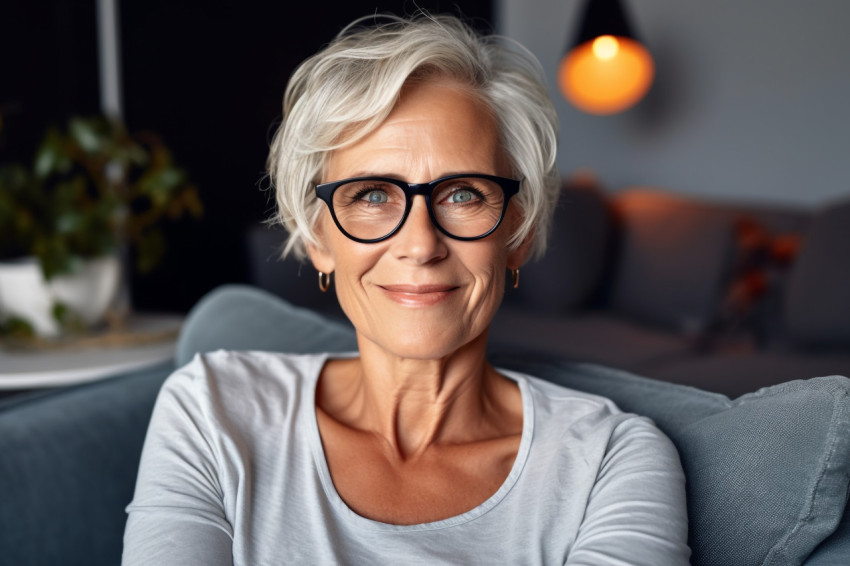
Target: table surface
[(151, 340)]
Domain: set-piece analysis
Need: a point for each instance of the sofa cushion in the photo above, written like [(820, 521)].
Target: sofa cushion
[(817, 308), (768, 473), (673, 259), (567, 275)]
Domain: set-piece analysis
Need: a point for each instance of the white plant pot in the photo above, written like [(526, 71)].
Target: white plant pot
[(88, 292)]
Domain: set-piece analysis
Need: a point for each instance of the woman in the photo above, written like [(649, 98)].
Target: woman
[(415, 164)]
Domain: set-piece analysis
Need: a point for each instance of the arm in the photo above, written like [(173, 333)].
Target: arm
[(177, 514), (636, 513)]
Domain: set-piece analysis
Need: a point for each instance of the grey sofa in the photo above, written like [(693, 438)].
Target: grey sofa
[(722, 296), (768, 473)]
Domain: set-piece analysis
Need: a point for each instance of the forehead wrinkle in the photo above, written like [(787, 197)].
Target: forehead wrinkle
[(425, 138), (420, 145)]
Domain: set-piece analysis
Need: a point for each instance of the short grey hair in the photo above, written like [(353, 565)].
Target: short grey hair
[(346, 90)]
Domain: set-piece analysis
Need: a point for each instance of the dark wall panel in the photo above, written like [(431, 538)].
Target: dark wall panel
[(48, 51)]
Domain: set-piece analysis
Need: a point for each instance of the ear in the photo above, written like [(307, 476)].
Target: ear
[(320, 253), (518, 255), (321, 259)]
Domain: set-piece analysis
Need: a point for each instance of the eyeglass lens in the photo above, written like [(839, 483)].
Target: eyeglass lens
[(463, 207)]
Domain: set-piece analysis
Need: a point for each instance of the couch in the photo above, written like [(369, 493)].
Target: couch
[(727, 297), (768, 473)]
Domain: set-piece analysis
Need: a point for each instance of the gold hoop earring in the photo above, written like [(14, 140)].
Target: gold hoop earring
[(515, 277), (324, 282)]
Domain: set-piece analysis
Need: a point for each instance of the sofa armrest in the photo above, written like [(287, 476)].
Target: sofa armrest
[(68, 464)]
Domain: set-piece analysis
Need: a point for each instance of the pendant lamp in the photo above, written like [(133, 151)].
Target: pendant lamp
[(607, 70)]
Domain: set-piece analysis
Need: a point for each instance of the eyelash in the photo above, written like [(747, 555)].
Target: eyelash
[(472, 190), (366, 190), (363, 192)]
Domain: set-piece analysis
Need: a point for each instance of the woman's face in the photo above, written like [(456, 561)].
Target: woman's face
[(420, 294)]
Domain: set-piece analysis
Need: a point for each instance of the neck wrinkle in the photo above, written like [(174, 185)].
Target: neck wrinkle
[(414, 404)]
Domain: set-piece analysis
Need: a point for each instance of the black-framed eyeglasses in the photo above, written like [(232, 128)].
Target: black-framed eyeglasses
[(468, 206)]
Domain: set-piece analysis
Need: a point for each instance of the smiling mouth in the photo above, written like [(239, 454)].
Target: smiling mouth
[(418, 295)]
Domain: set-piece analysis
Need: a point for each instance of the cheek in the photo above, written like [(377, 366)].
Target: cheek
[(489, 274), (353, 262)]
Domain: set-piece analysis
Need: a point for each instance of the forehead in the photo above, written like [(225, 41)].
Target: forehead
[(436, 127), (441, 98)]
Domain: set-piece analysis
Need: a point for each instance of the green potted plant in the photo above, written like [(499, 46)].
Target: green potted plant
[(65, 222)]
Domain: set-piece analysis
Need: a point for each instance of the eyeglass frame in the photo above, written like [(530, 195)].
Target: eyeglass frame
[(510, 187)]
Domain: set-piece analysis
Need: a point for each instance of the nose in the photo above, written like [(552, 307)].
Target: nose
[(419, 240)]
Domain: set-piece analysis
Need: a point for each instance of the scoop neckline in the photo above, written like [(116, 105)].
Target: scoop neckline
[(346, 513)]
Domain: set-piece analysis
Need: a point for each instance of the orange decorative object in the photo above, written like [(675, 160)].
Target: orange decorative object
[(606, 75)]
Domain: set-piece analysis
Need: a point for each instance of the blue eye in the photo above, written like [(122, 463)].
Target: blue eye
[(461, 196), (375, 197)]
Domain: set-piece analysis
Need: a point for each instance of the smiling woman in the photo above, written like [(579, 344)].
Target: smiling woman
[(415, 163), (425, 136)]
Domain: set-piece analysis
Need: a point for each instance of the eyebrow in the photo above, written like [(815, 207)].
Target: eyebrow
[(400, 177)]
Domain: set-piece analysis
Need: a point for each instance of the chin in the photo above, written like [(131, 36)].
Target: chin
[(426, 342)]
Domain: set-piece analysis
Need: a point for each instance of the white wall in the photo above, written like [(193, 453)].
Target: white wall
[(751, 99)]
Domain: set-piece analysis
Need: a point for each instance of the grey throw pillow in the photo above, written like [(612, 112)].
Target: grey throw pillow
[(817, 306), (768, 473)]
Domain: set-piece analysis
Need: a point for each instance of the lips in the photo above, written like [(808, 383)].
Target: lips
[(418, 295)]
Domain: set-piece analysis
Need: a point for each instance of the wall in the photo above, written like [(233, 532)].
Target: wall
[(750, 99)]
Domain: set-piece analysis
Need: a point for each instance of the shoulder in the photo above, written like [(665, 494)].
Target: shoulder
[(552, 401), (608, 470), (232, 368), (235, 384), (562, 412)]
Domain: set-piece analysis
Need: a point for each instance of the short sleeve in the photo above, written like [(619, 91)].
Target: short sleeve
[(637, 511), (177, 513)]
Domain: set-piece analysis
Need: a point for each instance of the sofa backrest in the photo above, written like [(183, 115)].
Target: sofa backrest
[(681, 262), (677, 262)]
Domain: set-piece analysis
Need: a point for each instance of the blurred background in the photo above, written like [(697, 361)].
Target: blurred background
[(748, 102)]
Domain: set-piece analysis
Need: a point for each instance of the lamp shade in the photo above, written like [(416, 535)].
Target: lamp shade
[(607, 70)]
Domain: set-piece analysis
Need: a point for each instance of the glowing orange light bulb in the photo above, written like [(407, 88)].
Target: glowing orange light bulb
[(606, 75), (605, 47)]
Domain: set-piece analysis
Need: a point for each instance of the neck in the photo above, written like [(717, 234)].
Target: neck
[(412, 404)]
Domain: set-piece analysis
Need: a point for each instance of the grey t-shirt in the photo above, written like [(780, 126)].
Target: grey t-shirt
[(233, 472)]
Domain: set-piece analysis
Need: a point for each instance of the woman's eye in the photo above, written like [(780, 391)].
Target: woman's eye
[(461, 196), (375, 197)]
